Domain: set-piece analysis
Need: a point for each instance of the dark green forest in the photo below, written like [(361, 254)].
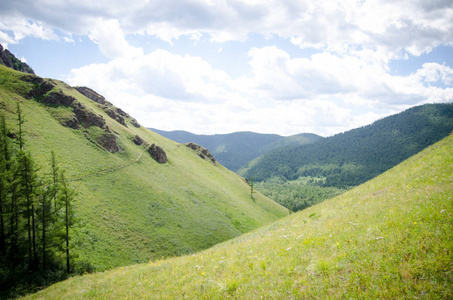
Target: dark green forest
[(36, 217), (351, 158), (298, 176)]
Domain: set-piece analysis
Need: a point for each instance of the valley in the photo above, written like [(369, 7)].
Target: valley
[(161, 218)]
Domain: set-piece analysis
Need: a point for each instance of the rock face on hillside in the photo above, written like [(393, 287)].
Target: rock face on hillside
[(114, 112), (87, 117), (46, 92), (202, 152), (58, 98), (108, 141), (138, 140), (90, 94), (158, 153), (9, 60)]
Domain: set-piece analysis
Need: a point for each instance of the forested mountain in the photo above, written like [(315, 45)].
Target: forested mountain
[(351, 158), (235, 150)]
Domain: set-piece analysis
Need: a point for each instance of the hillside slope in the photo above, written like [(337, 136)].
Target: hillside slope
[(235, 150), (351, 158), (131, 207), (389, 238)]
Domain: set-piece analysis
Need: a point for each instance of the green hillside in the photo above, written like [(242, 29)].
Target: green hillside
[(237, 149), (351, 158), (130, 207), (300, 176), (389, 238)]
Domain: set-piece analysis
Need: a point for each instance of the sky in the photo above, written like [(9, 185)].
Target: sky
[(221, 66)]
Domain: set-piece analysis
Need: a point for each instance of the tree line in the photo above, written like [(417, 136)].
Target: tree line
[(36, 214)]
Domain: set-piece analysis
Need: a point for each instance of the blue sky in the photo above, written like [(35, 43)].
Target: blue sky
[(218, 66)]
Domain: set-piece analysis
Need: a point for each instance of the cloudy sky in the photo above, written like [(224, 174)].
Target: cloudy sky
[(220, 66)]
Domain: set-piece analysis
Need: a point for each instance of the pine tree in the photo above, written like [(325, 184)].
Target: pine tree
[(20, 121), (54, 174), (3, 183), (27, 176), (67, 197), (45, 218)]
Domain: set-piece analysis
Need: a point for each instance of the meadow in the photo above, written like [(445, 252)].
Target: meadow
[(387, 238)]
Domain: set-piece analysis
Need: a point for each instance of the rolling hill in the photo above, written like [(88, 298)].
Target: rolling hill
[(140, 195), (389, 238), (235, 150)]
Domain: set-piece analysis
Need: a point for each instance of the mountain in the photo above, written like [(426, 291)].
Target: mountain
[(234, 150), (389, 238), (9, 60), (140, 196), (353, 157)]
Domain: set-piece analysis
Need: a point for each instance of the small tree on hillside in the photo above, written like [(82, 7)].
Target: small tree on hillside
[(252, 191)]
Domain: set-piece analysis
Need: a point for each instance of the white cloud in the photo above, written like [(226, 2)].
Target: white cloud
[(324, 94), (338, 25), (434, 72), (110, 38), (13, 29)]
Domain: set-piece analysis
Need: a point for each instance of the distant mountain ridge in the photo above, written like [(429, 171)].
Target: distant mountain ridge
[(234, 150)]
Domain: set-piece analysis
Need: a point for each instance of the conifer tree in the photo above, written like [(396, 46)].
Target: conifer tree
[(27, 176), (3, 194), (20, 121), (54, 174), (67, 197)]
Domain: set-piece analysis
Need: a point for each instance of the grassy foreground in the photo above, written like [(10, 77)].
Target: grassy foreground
[(388, 238)]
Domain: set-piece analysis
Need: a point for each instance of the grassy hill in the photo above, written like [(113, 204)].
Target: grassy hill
[(130, 207), (389, 238), (235, 150)]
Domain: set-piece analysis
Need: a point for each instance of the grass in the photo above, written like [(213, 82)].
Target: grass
[(135, 211), (389, 238)]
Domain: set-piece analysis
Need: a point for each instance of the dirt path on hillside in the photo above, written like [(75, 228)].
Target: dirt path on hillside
[(110, 169)]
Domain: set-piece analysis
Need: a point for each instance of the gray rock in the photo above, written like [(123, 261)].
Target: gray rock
[(158, 153)]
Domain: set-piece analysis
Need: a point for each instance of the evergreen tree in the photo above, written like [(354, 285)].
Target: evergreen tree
[(20, 121), (3, 194), (27, 176), (67, 198)]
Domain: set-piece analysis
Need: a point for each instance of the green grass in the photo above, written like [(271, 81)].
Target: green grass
[(390, 238), (131, 211)]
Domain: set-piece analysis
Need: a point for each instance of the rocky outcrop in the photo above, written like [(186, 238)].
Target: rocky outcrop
[(113, 112), (70, 122), (135, 123), (87, 117), (114, 115), (90, 94), (202, 152), (9, 60), (158, 153), (108, 141), (138, 140), (40, 86), (58, 98)]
